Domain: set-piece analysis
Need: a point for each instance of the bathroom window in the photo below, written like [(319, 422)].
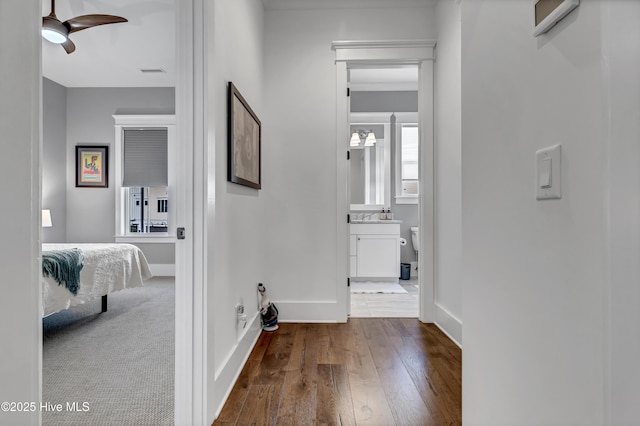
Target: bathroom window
[(407, 164)]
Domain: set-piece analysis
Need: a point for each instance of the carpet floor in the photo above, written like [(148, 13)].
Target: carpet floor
[(112, 368)]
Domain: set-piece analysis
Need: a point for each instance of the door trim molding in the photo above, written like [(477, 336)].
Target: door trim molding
[(384, 51), (190, 309), (372, 53)]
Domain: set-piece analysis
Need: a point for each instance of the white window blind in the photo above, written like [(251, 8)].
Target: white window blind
[(145, 157), (409, 154)]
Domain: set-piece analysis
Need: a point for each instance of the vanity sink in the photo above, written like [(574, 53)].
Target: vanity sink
[(375, 249)]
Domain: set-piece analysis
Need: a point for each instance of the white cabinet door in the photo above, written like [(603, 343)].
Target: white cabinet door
[(353, 253), (378, 256)]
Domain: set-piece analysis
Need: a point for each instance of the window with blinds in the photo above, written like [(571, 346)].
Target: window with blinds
[(145, 158), (409, 140), (145, 179)]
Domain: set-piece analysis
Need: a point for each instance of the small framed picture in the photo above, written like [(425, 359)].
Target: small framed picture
[(244, 141), (92, 166)]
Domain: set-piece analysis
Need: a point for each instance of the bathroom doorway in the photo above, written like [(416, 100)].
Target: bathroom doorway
[(383, 191), (352, 55)]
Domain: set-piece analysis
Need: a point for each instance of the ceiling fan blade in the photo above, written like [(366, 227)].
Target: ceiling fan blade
[(87, 21), (69, 46)]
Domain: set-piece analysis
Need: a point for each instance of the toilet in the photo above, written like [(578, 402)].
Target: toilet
[(414, 238)]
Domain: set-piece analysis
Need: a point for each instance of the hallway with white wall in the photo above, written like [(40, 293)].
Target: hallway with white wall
[(549, 294), (300, 162)]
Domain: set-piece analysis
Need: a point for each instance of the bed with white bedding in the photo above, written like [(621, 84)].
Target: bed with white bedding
[(105, 268)]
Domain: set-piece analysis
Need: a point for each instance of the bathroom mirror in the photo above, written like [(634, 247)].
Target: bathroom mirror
[(370, 177)]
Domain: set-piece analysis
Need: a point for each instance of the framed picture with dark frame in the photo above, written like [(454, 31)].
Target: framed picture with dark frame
[(92, 166), (547, 13), (244, 141)]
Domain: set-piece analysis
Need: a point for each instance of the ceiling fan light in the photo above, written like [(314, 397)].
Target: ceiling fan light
[(53, 30), (53, 36)]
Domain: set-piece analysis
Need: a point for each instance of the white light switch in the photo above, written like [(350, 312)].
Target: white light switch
[(548, 183), (544, 175)]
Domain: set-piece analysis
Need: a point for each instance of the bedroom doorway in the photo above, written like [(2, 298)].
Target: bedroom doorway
[(187, 364)]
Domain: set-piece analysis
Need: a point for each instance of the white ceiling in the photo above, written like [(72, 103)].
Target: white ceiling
[(113, 55), (345, 4)]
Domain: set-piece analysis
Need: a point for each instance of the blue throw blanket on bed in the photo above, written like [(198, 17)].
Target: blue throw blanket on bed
[(64, 266)]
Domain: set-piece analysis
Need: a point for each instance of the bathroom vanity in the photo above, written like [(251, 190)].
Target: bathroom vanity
[(375, 249)]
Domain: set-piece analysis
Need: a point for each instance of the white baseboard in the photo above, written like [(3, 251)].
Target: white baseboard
[(450, 325), (227, 375), (163, 269)]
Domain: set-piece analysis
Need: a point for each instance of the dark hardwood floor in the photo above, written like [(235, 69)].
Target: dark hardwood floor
[(369, 371)]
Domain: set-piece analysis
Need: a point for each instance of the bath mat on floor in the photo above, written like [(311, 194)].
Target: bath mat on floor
[(373, 288)]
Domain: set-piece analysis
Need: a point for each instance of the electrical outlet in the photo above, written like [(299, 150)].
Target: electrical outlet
[(241, 317)]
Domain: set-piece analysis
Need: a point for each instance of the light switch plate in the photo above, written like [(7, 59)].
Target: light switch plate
[(548, 170)]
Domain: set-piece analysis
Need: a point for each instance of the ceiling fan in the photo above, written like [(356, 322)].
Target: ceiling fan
[(58, 32)]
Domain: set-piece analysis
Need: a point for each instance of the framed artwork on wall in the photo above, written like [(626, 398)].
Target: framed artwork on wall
[(547, 13), (244, 141), (92, 166)]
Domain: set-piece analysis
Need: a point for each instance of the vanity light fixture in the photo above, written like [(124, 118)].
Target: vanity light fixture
[(370, 140), (355, 139), (368, 136)]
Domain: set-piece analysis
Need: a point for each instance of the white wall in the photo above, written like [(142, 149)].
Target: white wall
[(20, 127), (54, 167), (533, 270), (448, 204), (90, 211), (300, 151), (235, 213), (621, 56)]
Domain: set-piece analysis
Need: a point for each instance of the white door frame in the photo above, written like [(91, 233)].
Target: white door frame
[(190, 314), (375, 54)]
